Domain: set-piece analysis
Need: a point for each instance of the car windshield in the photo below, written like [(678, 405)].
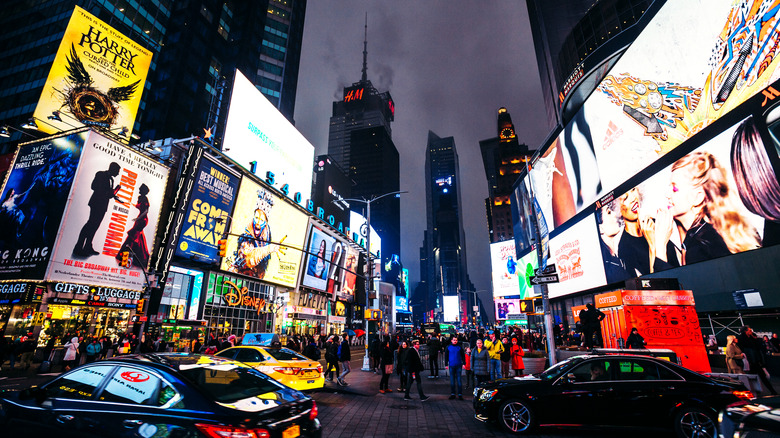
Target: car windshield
[(285, 354), (229, 384), (556, 370)]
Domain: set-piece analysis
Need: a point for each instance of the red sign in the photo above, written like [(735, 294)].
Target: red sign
[(609, 299), (353, 94), (658, 298), (134, 376)]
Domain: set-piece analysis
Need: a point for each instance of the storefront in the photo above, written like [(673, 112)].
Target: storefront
[(235, 305), (18, 304), (307, 313), (177, 320)]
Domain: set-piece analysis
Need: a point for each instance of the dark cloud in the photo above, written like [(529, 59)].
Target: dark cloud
[(449, 66)]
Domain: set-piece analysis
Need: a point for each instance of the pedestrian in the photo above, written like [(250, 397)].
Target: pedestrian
[(735, 358), (93, 350), (414, 367), (386, 366), (375, 352), (311, 350), (635, 340), (467, 367), (331, 358), (344, 357), (494, 348), (591, 318), (454, 359), (400, 368), (434, 347), (751, 346), (516, 352), (480, 362), (26, 350), (71, 348), (506, 357)]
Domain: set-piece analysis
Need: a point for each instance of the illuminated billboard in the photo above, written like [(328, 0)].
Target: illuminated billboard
[(97, 79), (577, 259), (696, 201), (349, 276), (114, 207), (358, 224), (504, 269), (33, 201), (265, 236), (256, 132), (657, 96), (451, 305), (208, 212), (323, 249), (526, 266), (505, 307)]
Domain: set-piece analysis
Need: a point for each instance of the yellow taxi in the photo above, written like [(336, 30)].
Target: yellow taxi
[(281, 364)]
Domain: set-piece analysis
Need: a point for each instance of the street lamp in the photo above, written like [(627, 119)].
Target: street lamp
[(476, 303), (370, 279)]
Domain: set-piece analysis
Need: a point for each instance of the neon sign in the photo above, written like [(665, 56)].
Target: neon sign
[(240, 297), (353, 94)]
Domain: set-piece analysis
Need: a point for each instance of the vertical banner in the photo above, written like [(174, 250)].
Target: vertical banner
[(33, 200), (212, 198), (114, 207), (97, 78), (347, 291), (318, 261)]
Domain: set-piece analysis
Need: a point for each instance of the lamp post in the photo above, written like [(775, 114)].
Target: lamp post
[(476, 297), (370, 278)]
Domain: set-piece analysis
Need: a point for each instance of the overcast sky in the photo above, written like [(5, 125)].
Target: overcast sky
[(449, 65)]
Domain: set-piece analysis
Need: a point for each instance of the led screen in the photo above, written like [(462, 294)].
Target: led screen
[(526, 266), (324, 260), (506, 307), (577, 259), (504, 269), (349, 279), (264, 235), (401, 304), (451, 308), (694, 207), (257, 132), (357, 224)]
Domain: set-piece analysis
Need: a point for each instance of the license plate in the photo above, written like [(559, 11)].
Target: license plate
[(309, 373), (292, 432), (310, 381)]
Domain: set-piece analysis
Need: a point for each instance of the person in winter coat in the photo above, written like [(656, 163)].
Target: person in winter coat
[(93, 350), (331, 358), (71, 348), (469, 372), (344, 357), (506, 357), (495, 348), (311, 350), (414, 366), (734, 356), (479, 362), (400, 367), (635, 340), (454, 359), (386, 366), (516, 352), (434, 347)]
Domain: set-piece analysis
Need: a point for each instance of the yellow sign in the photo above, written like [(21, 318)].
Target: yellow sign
[(39, 318), (97, 79)]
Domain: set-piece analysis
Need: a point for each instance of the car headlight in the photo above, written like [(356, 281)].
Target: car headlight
[(487, 395)]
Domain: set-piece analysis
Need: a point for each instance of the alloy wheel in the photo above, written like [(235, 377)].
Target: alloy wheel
[(516, 416)]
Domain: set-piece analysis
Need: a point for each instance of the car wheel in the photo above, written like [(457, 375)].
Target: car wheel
[(694, 422), (516, 417)]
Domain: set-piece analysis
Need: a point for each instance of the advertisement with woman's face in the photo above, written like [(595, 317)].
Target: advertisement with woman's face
[(693, 210), (318, 259)]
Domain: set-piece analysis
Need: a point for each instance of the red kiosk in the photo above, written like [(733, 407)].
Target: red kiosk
[(665, 319)]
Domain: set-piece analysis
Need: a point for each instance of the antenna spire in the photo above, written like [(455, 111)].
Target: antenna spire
[(365, 50)]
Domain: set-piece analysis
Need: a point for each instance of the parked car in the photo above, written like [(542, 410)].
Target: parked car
[(757, 418), (287, 366), (609, 390), (162, 394)]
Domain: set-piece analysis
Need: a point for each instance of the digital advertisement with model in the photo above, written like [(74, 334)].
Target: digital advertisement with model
[(114, 207), (504, 269), (33, 201), (321, 250)]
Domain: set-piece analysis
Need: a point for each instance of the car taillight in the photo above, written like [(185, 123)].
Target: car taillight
[(313, 413), (744, 395), (220, 431), (288, 371), (319, 369)]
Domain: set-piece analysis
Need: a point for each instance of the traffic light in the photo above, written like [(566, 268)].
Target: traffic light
[(373, 314), (527, 306), (125, 259), (139, 306), (222, 247)]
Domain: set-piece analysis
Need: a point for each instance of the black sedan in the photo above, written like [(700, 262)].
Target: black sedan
[(759, 418), (160, 395), (609, 390)]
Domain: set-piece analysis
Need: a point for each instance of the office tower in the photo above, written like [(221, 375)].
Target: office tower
[(446, 272), (360, 141), (194, 44), (504, 159)]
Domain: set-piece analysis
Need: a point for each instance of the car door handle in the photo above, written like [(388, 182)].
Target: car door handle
[(65, 418), (132, 423)]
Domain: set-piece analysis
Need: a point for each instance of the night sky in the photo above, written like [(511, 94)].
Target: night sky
[(449, 65)]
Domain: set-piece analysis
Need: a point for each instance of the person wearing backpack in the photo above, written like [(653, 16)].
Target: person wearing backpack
[(344, 356)]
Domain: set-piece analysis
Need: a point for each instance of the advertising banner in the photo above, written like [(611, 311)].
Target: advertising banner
[(577, 259), (212, 198), (256, 132), (321, 249), (33, 201), (349, 279), (451, 305), (264, 234), (114, 207), (504, 269), (97, 79), (505, 307), (338, 259), (526, 266), (401, 304)]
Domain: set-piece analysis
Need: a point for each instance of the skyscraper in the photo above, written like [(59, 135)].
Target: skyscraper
[(360, 141), (504, 159), (446, 273)]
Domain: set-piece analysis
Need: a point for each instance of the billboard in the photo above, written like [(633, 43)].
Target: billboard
[(212, 198), (322, 248), (264, 235), (451, 305), (526, 266), (657, 96), (505, 307), (338, 260), (349, 276), (695, 207), (504, 269), (123, 193), (358, 224), (577, 258), (97, 79), (33, 201), (401, 304), (256, 132)]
